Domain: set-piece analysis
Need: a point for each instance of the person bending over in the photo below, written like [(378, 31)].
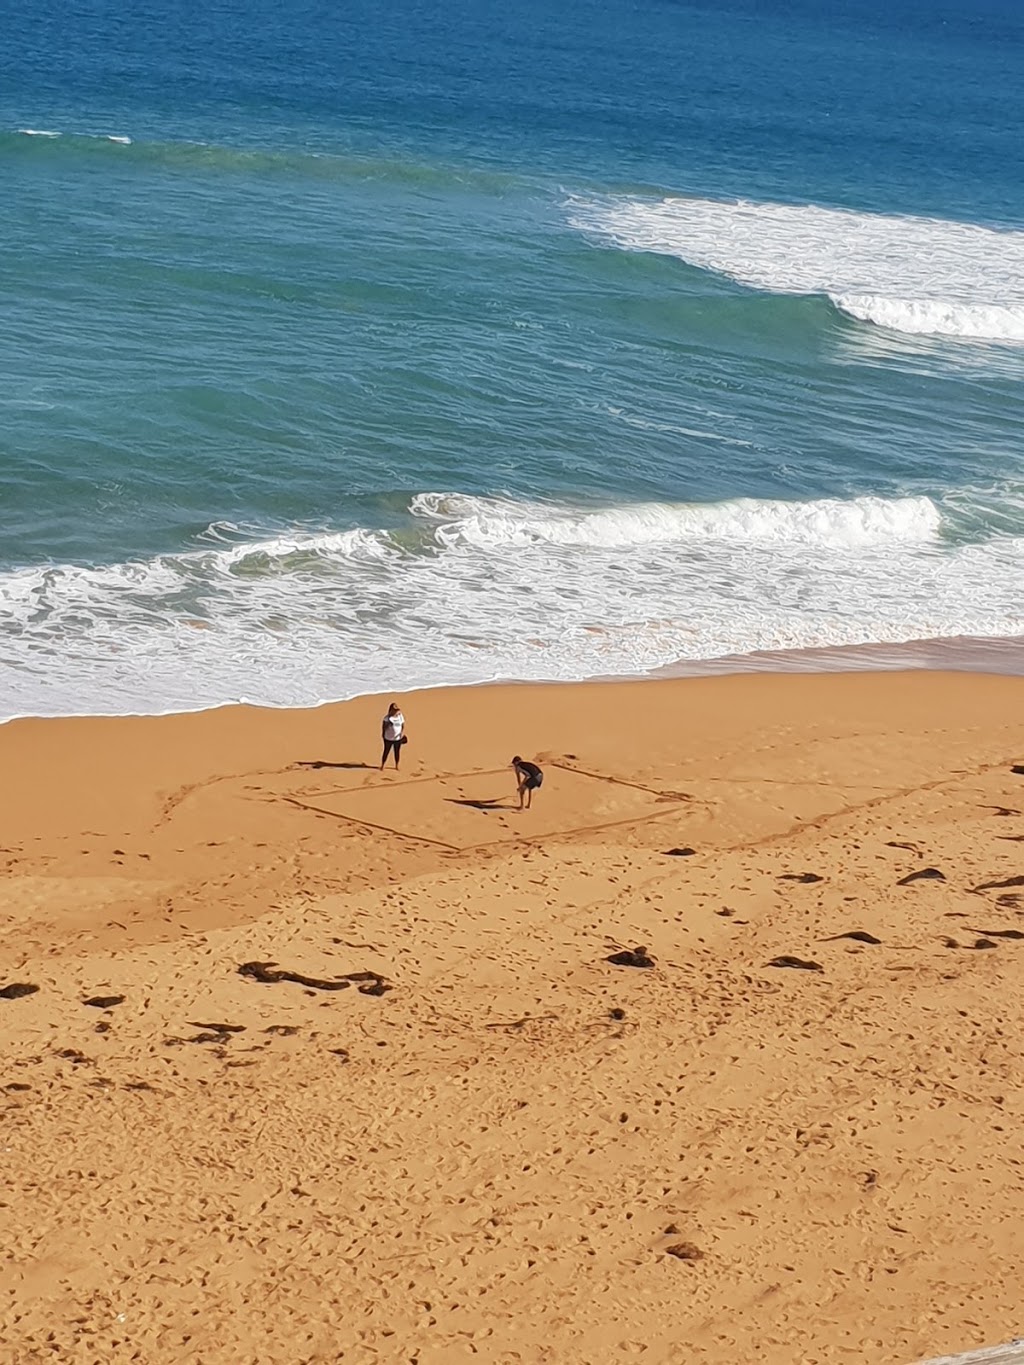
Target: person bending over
[(529, 777), (392, 732)]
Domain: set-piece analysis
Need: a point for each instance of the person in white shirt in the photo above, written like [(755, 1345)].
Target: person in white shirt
[(392, 732)]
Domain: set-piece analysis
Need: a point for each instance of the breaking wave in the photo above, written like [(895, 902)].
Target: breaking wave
[(826, 521), (929, 317), (918, 275), (464, 589)]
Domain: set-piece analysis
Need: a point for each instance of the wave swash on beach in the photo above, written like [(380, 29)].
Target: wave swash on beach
[(474, 589)]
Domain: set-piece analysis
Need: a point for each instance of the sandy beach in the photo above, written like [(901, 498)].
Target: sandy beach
[(465, 1132)]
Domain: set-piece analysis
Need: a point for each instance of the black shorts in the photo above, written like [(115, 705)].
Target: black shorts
[(531, 781)]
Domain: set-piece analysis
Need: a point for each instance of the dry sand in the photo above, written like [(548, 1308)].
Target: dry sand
[(521, 1151)]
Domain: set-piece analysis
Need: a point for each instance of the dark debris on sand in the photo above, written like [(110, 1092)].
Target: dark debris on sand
[(631, 957), (368, 983), (17, 990), (926, 874), (999, 886)]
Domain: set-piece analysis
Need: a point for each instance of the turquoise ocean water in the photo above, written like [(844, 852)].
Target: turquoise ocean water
[(360, 348)]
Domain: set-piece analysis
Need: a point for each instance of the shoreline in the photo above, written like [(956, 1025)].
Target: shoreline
[(350, 1059), (1001, 656), (956, 653)]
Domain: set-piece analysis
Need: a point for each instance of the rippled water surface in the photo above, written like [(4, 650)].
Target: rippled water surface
[(369, 350)]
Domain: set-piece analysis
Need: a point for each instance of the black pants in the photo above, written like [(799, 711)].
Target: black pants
[(390, 744)]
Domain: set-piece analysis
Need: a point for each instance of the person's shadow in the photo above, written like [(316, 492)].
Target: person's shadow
[(323, 763), (496, 803)]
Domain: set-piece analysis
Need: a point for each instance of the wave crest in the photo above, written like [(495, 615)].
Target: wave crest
[(933, 317), (326, 164), (283, 553), (483, 522), (919, 275)]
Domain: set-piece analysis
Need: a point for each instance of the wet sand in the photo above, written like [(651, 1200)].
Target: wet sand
[(326, 1064), (959, 654)]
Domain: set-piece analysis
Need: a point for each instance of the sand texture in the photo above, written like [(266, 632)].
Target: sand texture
[(465, 1134)]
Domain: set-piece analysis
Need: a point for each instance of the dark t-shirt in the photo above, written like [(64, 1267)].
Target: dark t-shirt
[(530, 771)]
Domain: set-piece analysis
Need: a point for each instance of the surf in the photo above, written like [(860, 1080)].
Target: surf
[(469, 589), (917, 275)]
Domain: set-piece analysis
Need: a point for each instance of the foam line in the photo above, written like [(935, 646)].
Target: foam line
[(827, 521)]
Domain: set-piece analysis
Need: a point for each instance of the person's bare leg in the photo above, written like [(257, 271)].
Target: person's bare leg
[(522, 789)]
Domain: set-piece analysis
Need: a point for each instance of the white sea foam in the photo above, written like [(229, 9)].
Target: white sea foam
[(356, 544), (827, 522), (470, 589), (46, 132), (920, 275), (931, 317)]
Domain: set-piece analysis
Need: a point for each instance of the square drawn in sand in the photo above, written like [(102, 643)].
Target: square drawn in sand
[(472, 809)]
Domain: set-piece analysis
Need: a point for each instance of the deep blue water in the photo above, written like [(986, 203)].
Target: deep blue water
[(368, 347)]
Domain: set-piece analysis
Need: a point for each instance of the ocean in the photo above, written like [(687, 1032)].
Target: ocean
[(364, 348)]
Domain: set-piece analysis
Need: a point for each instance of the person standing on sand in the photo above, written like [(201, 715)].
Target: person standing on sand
[(529, 777), (392, 732)]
